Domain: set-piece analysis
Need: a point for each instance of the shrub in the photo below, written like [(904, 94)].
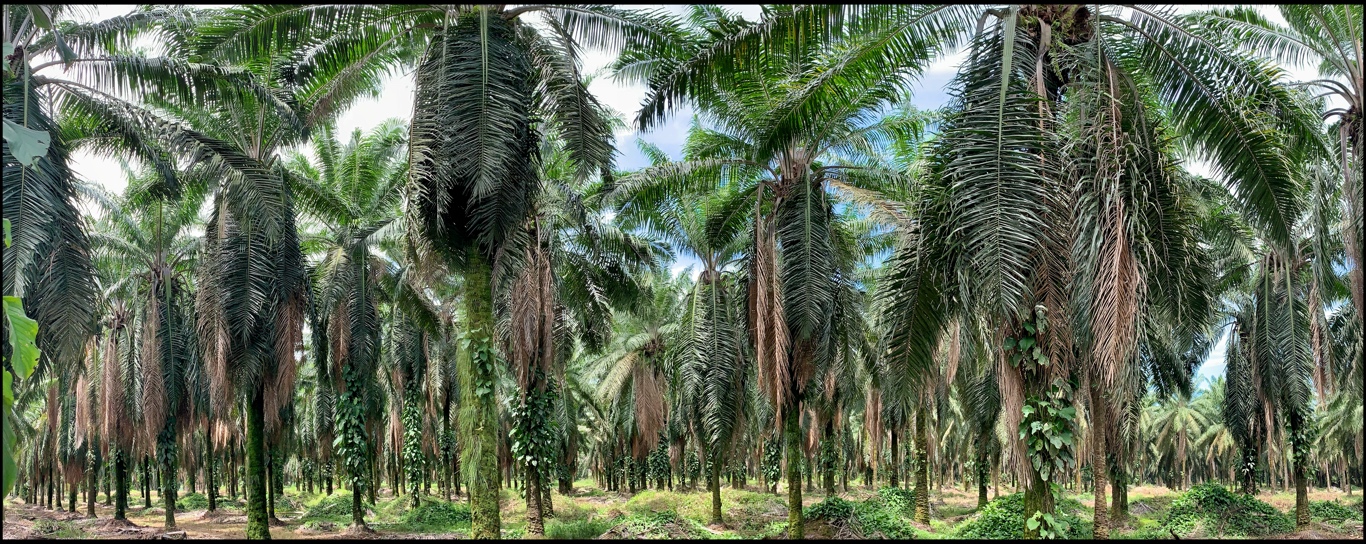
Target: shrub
[(193, 501), (1215, 511), (437, 512), (898, 500), (1332, 510), (62, 530), (1004, 518), (332, 507), (880, 516)]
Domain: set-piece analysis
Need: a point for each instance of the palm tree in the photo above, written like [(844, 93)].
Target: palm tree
[(1330, 38), (1177, 423), (354, 191), (790, 140), (145, 248), (713, 229)]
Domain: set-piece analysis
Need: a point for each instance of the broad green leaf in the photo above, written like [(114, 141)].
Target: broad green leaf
[(6, 233), (22, 331), (1028, 409), (1029, 327), (27, 145), (42, 16), (1026, 343), (11, 470), (1033, 523), (1010, 343), (1068, 412), (64, 50)]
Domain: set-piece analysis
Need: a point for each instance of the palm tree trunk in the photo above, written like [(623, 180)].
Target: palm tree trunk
[(1098, 464), (168, 477), (792, 434), (716, 492), (210, 485), (258, 525), (896, 460), (981, 473), (922, 470), (480, 422), (91, 488), (120, 484)]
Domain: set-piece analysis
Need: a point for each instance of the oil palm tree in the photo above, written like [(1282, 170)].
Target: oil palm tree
[(791, 128), (712, 228), (145, 248), (1328, 37), (354, 192), (1177, 423)]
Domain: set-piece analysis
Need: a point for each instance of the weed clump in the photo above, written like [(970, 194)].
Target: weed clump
[(56, 529), (335, 507), (580, 529), (1210, 510), (193, 501), (656, 525), (1004, 518), (878, 517), (1332, 510), (437, 513)]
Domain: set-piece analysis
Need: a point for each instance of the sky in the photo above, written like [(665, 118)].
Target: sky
[(396, 100)]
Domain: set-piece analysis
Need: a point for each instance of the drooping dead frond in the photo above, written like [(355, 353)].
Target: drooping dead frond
[(153, 383), (649, 410), (116, 424), (288, 339), (770, 329), (1114, 303)]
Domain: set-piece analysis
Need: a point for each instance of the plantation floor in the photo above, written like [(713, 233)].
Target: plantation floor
[(587, 513)]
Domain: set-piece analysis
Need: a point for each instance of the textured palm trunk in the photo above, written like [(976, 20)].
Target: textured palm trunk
[(120, 485), (211, 487), (1301, 497), (716, 493), (534, 523), (91, 487), (146, 482), (258, 525), (792, 435), (895, 471), (1099, 426), (1037, 498), (922, 468), (480, 456), (168, 491), (982, 474)]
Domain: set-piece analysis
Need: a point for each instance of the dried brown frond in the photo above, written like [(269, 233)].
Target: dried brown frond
[(279, 389), (1115, 299), (153, 382), (649, 408), (770, 328), (115, 424), (1012, 406)]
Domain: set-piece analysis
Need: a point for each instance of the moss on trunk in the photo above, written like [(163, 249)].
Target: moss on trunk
[(258, 526), (479, 411)]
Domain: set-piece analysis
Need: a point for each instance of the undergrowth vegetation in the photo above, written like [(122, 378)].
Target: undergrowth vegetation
[(1004, 518), (1210, 510)]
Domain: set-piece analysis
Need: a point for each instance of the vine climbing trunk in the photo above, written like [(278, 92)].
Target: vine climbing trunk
[(479, 411), (792, 431), (258, 526)]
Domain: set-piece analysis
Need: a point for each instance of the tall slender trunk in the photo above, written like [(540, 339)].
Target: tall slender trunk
[(479, 419), (91, 487), (716, 492), (120, 484), (258, 525), (211, 487), (146, 482), (792, 430), (1098, 465), (895, 472), (982, 473), (922, 467)]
